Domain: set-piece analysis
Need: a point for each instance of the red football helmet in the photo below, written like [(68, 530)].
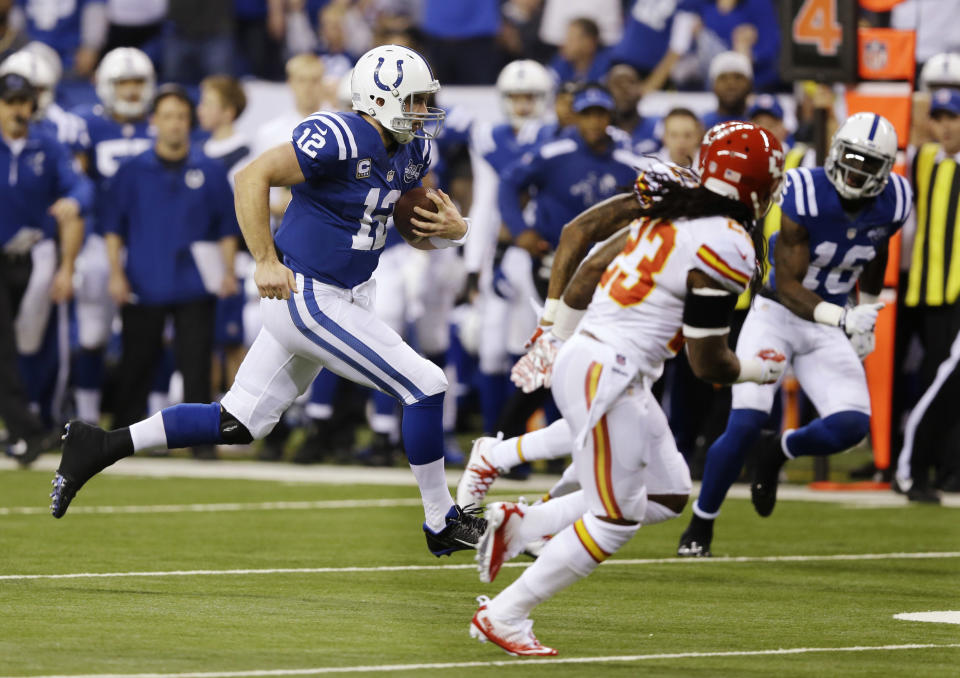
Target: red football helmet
[(744, 162)]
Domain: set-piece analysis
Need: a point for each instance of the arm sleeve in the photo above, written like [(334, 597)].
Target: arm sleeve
[(70, 182), (318, 147), (515, 178)]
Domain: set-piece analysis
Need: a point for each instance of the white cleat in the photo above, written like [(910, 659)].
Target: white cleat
[(514, 638), (499, 542), (479, 474)]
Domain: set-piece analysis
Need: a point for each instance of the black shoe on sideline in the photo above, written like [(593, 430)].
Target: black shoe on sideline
[(26, 450), (766, 477), (923, 494), (463, 531)]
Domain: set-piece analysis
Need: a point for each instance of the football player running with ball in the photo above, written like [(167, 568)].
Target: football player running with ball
[(836, 222), (346, 171), (673, 274)]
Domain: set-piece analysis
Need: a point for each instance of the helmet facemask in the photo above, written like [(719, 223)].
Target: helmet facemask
[(412, 124), (857, 172)]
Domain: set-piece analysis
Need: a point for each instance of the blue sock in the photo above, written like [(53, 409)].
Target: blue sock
[(725, 458), (493, 395), (422, 430), (836, 433), (190, 424)]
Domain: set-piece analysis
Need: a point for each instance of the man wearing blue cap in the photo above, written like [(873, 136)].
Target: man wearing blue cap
[(931, 440), (43, 199), (584, 166)]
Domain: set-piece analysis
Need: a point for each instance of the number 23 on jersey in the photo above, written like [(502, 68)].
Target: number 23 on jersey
[(653, 242)]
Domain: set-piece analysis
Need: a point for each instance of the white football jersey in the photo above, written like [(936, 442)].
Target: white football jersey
[(638, 305)]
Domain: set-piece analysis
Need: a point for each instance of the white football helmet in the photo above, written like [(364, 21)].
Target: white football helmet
[(37, 72), (862, 153), (384, 83), (524, 76), (125, 63), (941, 70)]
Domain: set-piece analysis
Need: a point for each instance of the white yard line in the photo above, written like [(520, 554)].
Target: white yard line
[(223, 507), (469, 566), (392, 668)]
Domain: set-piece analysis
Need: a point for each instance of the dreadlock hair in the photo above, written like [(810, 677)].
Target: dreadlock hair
[(663, 197)]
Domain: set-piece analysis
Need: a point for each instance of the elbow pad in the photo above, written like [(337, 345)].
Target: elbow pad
[(707, 311)]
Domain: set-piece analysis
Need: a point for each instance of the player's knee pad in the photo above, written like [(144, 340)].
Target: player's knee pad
[(232, 432), (847, 428), (432, 380)]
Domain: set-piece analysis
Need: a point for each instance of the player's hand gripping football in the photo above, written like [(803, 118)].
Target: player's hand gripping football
[(535, 369), (274, 280), (446, 222)]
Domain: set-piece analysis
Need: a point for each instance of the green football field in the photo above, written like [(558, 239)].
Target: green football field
[(222, 577)]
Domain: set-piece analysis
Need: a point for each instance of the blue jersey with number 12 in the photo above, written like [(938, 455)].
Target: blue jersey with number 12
[(336, 225), (840, 244)]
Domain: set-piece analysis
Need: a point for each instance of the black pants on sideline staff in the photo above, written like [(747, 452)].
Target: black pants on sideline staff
[(936, 444), (21, 422), (143, 344)]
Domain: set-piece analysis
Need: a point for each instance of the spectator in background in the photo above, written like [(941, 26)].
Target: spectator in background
[(305, 80), (11, 39), (200, 41), (136, 23), (563, 109), (646, 36), (260, 32), (767, 112), (750, 27), (43, 193), (332, 48), (731, 77), (222, 101), (77, 30), (557, 15), (581, 57), (172, 208), (625, 86), (682, 133), (460, 40), (520, 31)]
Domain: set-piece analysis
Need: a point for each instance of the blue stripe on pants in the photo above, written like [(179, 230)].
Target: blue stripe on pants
[(336, 330), (315, 338)]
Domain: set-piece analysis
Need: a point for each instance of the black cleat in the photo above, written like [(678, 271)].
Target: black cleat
[(695, 540), (83, 456), (463, 531), (766, 476), (923, 494)]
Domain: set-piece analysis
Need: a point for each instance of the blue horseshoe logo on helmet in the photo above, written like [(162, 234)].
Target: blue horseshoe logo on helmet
[(376, 75)]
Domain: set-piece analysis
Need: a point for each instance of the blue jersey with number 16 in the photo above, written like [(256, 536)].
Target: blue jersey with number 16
[(335, 227), (840, 244)]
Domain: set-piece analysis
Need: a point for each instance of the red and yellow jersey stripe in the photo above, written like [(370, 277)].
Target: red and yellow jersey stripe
[(718, 264)]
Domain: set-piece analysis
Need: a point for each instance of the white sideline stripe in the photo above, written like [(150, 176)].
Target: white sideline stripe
[(420, 568), (389, 668), (225, 507), (941, 617)]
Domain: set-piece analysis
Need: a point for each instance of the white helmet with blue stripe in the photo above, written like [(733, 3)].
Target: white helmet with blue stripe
[(941, 70), (524, 77), (861, 156), (387, 83), (120, 64)]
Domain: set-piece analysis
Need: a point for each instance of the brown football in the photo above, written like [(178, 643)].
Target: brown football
[(403, 210)]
